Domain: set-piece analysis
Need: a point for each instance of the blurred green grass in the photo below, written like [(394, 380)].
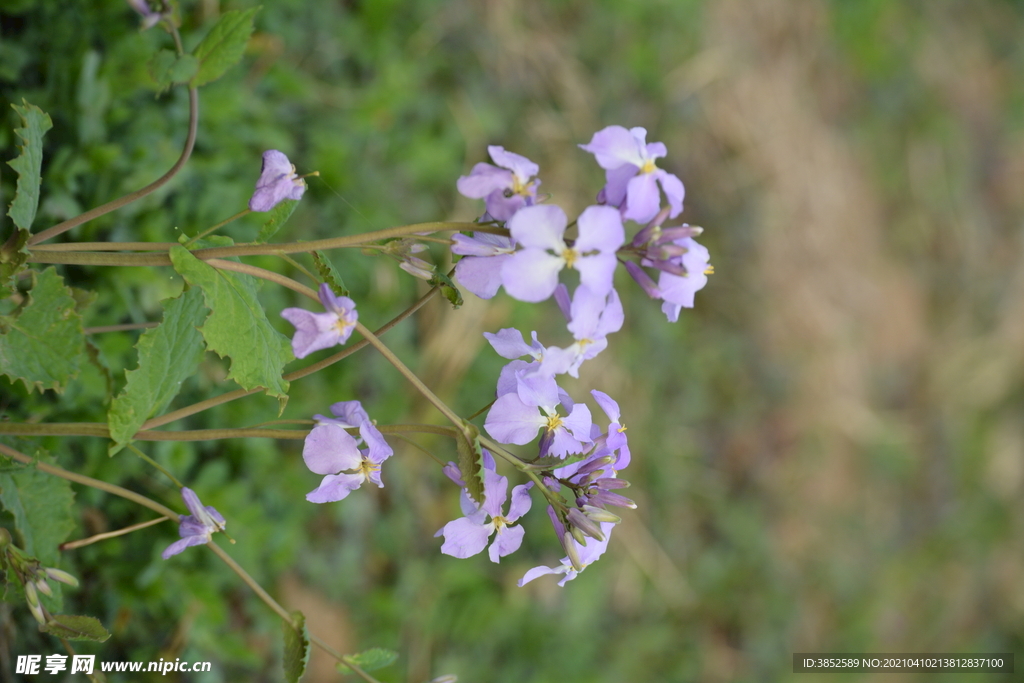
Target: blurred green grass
[(828, 450)]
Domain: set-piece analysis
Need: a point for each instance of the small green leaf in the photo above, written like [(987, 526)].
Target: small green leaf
[(296, 649), (471, 461), (169, 354), (223, 46), (44, 344), (370, 660), (448, 288), (29, 163), (329, 274), (167, 68), (237, 327), (277, 217), (41, 506), (75, 627)]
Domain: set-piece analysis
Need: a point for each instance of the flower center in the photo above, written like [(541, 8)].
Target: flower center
[(621, 428), (342, 326), (554, 422), (570, 256), (367, 468), (499, 522), (648, 167), (519, 187)]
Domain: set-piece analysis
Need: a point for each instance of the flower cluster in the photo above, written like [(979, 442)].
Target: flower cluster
[(525, 246)]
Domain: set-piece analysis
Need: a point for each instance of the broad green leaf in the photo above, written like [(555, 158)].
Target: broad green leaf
[(40, 504), (167, 68), (277, 217), (29, 163), (470, 461), (237, 327), (448, 288), (370, 660), (43, 346), (329, 274), (168, 355), (76, 627), (223, 45), (296, 649)]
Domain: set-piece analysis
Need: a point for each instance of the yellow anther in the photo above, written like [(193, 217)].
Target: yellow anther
[(570, 256), (710, 270), (648, 167), (554, 422)]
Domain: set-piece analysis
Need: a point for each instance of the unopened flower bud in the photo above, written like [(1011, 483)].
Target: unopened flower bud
[(600, 514), (670, 267), (608, 498), (596, 464), (653, 229), (570, 550), (643, 279), (62, 576), (450, 678), (585, 524), (678, 233), (5, 537), (612, 483), (417, 267), (43, 587), (577, 534), (33, 603)]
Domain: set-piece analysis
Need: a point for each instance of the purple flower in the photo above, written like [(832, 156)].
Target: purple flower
[(332, 451), (315, 331), (506, 189), (585, 555), (677, 290), (516, 416), (616, 440), (150, 18), (197, 528), (592, 317), (277, 182), (480, 269), (468, 535), (632, 175), (532, 273)]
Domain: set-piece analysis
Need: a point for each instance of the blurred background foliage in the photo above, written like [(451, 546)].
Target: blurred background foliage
[(829, 449)]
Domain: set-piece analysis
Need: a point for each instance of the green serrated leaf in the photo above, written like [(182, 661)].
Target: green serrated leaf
[(296, 649), (167, 68), (41, 506), (223, 46), (29, 163), (76, 627), (448, 288), (276, 218), (471, 461), (237, 327), (168, 355), (45, 343), (329, 274), (370, 660)]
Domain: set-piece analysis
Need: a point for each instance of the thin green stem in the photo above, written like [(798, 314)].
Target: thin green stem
[(190, 140), (84, 257), (420, 448), (282, 612), (81, 543), (118, 328), (301, 268), (264, 274), (214, 228), (99, 429), (155, 464), (89, 481), (409, 374), (480, 412)]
